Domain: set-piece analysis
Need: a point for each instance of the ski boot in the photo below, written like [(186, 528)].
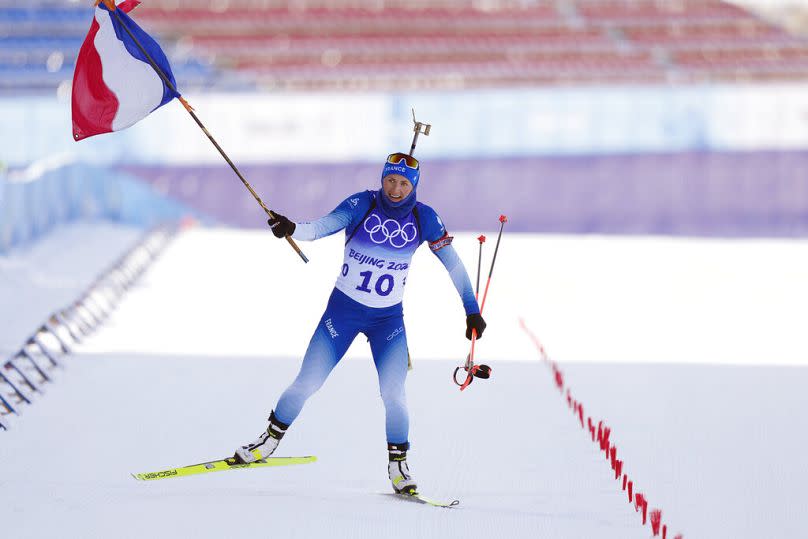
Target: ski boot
[(265, 445), (398, 471)]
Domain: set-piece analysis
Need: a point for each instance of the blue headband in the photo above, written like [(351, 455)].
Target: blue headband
[(412, 174)]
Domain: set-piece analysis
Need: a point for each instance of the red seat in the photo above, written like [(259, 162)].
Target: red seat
[(657, 9)]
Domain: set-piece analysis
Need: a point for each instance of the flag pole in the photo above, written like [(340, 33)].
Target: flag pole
[(110, 4)]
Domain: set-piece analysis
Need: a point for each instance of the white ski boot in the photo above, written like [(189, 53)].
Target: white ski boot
[(265, 445), (399, 471)]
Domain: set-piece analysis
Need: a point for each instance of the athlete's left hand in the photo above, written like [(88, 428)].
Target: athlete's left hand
[(475, 321)]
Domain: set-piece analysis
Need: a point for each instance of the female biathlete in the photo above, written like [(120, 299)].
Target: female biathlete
[(383, 229)]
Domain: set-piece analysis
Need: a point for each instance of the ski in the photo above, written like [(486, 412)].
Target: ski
[(220, 465), (416, 497)]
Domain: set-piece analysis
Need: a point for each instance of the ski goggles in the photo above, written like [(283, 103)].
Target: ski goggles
[(402, 169), (396, 158)]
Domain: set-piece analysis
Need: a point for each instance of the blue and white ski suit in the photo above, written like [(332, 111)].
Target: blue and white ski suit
[(367, 298)]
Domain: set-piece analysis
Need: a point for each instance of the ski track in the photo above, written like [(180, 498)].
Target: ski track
[(193, 410), (194, 359)]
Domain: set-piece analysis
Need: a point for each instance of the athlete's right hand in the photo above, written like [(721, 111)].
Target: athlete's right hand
[(280, 225)]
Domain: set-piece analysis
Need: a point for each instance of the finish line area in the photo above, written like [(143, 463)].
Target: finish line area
[(693, 369)]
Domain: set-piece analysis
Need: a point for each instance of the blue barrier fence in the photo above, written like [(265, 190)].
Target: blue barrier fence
[(36, 199)]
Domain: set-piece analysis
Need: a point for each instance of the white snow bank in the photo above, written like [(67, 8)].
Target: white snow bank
[(602, 299)]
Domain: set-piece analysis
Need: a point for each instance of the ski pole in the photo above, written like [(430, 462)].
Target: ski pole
[(110, 4), (481, 371), (481, 239), (502, 220), (484, 371)]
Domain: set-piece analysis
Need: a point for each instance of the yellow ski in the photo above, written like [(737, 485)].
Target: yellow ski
[(220, 465), (416, 497)]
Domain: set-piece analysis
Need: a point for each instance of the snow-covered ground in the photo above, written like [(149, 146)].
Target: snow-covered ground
[(597, 299), (39, 278), (693, 351)]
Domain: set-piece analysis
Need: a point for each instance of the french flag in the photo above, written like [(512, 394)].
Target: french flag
[(114, 84)]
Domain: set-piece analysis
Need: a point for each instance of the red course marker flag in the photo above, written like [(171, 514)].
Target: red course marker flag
[(656, 521), (114, 83)]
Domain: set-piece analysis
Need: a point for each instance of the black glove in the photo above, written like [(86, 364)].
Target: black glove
[(280, 225), (475, 321)]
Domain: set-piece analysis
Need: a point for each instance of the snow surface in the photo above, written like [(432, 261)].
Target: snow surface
[(693, 352), (50, 274)]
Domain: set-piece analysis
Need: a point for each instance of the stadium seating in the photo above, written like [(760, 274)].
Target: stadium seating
[(39, 44), (656, 10), (390, 44)]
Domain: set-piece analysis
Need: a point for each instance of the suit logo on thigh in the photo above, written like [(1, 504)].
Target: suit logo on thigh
[(331, 330), (396, 332)]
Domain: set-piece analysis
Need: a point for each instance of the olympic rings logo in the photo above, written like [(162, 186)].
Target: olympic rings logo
[(390, 231)]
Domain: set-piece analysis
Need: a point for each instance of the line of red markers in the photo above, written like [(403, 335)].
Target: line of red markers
[(600, 434)]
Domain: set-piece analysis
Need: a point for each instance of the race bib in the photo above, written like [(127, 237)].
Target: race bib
[(377, 259)]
